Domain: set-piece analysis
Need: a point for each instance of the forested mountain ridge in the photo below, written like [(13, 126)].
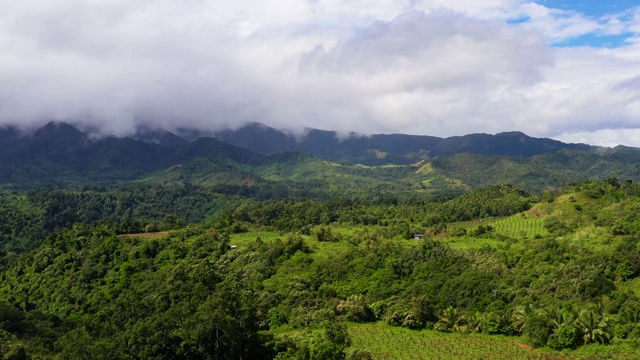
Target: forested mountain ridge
[(390, 148), (60, 153)]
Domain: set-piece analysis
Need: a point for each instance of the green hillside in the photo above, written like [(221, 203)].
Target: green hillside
[(61, 154), (384, 149), (174, 249), (499, 273), (455, 173), (536, 173)]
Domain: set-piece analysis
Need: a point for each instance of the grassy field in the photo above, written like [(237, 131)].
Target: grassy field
[(388, 342), (243, 238), (468, 242), (149, 235), (521, 226)]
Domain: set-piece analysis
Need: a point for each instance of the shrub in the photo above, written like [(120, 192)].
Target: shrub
[(355, 308), (378, 309), (359, 354), (565, 337)]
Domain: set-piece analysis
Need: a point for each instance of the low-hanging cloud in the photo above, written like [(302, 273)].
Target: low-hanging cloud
[(429, 72), (422, 67)]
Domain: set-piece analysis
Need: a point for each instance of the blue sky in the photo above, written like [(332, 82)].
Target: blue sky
[(568, 70), (600, 11), (592, 7), (596, 40), (604, 13)]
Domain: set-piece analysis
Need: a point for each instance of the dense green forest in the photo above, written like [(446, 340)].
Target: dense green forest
[(325, 167), (145, 270)]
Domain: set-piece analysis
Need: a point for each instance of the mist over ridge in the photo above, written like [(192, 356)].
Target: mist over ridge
[(438, 68)]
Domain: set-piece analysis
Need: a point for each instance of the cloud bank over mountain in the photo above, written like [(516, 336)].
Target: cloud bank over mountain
[(431, 67)]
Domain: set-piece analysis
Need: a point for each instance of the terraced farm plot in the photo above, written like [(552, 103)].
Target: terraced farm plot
[(243, 238), (520, 227), (389, 342)]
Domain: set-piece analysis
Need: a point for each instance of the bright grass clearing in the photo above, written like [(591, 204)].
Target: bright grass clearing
[(149, 235), (244, 238), (520, 226), (467, 242), (390, 342)]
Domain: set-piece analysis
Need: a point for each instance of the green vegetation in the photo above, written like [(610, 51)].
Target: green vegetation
[(248, 237), (325, 166), (523, 226), (381, 341), (149, 271), (384, 342)]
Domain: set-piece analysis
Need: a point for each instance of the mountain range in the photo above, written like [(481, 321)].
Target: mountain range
[(257, 154), (392, 148)]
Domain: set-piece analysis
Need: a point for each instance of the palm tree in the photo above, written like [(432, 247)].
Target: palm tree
[(629, 315), (532, 323), (452, 319), (563, 327), (475, 322), (504, 323), (522, 316), (448, 317), (554, 316), (594, 326)]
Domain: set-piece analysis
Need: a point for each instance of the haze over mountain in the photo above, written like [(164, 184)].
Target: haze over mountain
[(565, 70), (62, 139), (59, 151), (257, 154)]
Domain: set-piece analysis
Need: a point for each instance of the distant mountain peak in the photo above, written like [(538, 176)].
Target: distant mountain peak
[(7, 131), (56, 134), (513, 133), (58, 128), (156, 136)]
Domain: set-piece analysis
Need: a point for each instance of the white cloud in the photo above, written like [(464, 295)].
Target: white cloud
[(417, 66), (558, 25), (603, 137), (428, 72)]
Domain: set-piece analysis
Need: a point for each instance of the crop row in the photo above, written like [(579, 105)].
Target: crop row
[(520, 227), (249, 236), (385, 342)]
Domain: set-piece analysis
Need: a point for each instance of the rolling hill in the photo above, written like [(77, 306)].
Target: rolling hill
[(258, 155)]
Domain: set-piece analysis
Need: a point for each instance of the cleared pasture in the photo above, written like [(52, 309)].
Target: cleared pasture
[(243, 238), (148, 236), (388, 342), (521, 226), (397, 343), (467, 242)]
